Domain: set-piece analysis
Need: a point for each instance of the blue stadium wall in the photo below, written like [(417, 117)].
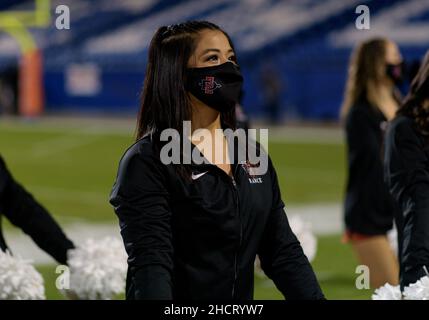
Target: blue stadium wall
[(312, 72), (312, 86)]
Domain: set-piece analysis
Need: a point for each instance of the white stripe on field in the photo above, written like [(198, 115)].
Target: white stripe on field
[(325, 219), (125, 128)]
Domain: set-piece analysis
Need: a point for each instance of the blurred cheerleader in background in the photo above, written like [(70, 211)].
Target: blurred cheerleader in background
[(371, 99), (18, 278), (97, 267), (25, 212)]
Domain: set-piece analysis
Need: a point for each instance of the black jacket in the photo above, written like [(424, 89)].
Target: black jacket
[(369, 207), (25, 212), (198, 239), (407, 173)]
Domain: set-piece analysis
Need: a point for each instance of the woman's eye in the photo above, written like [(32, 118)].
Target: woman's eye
[(212, 58), (232, 58)]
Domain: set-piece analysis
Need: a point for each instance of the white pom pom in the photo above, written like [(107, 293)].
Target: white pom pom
[(98, 269), (303, 232), (387, 292), (418, 290), (19, 280)]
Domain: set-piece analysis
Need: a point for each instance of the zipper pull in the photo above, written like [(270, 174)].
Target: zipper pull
[(233, 182)]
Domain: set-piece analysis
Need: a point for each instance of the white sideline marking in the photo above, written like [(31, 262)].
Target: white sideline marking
[(325, 219), (284, 134)]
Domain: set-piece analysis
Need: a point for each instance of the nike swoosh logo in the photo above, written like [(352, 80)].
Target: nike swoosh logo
[(199, 175)]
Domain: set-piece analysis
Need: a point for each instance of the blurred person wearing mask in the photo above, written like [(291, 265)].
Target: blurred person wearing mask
[(371, 99), (407, 174)]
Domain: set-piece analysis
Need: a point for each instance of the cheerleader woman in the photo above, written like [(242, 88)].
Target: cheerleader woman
[(193, 231), (407, 173), (370, 101), (25, 212)]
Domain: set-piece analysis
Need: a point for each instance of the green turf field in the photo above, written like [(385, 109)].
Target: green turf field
[(71, 169)]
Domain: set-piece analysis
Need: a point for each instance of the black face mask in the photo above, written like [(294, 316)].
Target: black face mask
[(218, 87), (396, 72)]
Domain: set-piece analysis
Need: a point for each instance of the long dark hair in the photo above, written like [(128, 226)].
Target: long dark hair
[(419, 92), (366, 70), (165, 102)]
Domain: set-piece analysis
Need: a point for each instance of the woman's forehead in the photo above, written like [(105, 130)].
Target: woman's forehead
[(212, 39)]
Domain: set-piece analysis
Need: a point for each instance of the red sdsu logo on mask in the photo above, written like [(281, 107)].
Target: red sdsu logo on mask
[(208, 85)]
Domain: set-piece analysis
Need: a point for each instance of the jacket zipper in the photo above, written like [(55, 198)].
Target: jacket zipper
[(235, 190), (237, 208)]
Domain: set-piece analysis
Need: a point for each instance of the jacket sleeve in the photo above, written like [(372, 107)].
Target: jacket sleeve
[(281, 255), (141, 202), (25, 212), (408, 177)]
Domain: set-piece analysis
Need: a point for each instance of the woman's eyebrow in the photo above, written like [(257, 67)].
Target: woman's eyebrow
[(214, 49)]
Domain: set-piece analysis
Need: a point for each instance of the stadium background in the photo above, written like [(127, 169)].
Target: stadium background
[(92, 76)]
